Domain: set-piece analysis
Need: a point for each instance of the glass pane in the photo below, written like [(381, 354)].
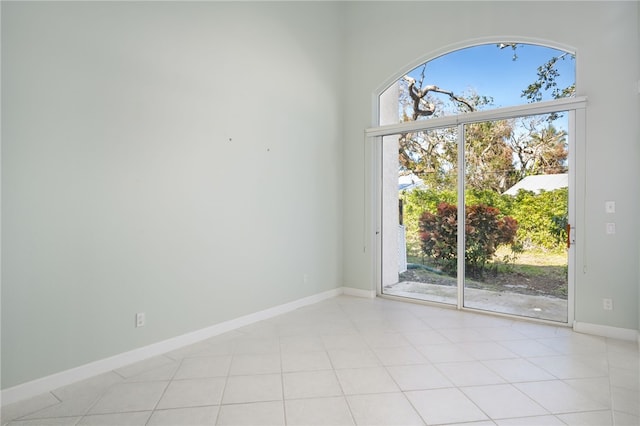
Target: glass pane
[(419, 215), (516, 214), (483, 77)]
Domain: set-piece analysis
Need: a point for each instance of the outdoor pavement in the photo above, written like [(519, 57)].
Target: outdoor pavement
[(540, 307)]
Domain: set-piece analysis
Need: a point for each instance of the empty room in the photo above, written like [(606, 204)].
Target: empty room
[(238, 212)]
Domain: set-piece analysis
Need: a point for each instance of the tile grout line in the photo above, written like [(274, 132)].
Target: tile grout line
[(284, 405), (153, 410), (344, 395), (351, 317)]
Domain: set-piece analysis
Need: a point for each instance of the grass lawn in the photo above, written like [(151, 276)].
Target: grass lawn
[(533, 272)]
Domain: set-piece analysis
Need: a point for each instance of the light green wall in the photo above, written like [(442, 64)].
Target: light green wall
[(385, 39), (173, 158)]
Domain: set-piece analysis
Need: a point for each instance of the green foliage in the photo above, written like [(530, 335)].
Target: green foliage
[(491, 198), (414, 204), (488, 156), (541, 218), (547, 75), (485, 230)]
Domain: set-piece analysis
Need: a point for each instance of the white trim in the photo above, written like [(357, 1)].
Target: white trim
[(376, 194), (571, 214), (576, 107), (607, 331), (63, 378), (368, 294), (556, 105), (461, 201)]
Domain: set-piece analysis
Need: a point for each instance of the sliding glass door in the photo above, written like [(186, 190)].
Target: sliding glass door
[(478, 214), (516, 254), (408, 201)]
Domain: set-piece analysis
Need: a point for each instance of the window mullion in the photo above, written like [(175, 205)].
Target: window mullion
[(461, 216)]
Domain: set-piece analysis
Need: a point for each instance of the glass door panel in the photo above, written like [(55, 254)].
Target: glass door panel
[(516, 216), (419, 197)]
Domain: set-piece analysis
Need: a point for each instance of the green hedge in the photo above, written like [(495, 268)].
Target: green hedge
[(541, 218)]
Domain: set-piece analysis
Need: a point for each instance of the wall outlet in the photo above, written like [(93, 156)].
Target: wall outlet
[(305, 278), (607, 304), (140, 319), (611, 228)]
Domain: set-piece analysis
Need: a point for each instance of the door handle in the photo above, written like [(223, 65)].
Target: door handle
[(569, 239)]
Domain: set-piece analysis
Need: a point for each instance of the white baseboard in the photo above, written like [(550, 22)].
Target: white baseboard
[(349, 291), (63, 378), (54, 381), (607, 331)]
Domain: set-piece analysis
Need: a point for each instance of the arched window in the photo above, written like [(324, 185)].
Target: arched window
[(482, 133), (483, 77)]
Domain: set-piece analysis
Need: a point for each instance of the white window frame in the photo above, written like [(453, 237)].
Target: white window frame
[(575, 106)]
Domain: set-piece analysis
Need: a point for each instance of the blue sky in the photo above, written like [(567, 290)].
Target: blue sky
[(491, 71)]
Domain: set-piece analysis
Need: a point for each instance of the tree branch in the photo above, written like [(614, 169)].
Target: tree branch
[(421, 107)]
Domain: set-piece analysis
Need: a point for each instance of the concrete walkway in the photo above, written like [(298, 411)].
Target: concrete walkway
[(541, 307)]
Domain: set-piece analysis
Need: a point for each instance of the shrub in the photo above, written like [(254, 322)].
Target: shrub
[(541, 218), (439, 233), (416, 202), (485, 230)]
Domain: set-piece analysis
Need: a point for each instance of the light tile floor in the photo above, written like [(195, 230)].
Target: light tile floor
[(349, 361)]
